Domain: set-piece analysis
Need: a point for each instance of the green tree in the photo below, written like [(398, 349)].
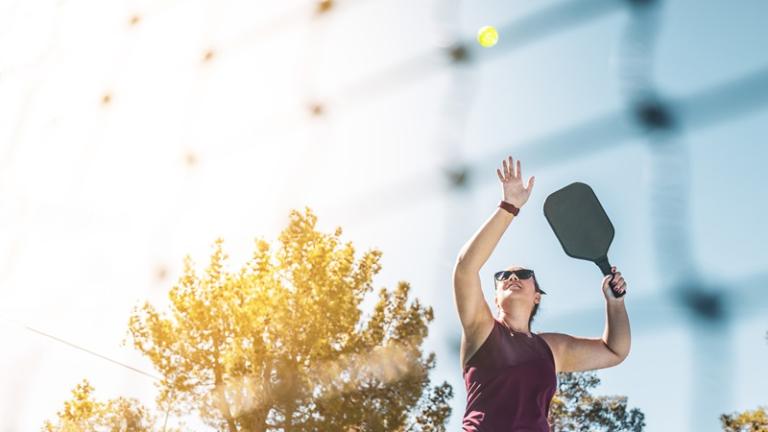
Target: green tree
[(573, 408), (84, 413), (280, 343)]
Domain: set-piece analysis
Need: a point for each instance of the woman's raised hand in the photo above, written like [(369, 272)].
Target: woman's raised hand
[(512, 183)]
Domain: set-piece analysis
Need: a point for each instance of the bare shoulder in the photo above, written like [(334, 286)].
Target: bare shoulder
[(557, 343), (554, 340)]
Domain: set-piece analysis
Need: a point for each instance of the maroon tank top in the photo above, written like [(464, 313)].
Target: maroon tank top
[(510, 382)]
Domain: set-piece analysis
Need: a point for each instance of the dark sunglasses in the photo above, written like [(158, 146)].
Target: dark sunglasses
[(521, 274), (506, 274)]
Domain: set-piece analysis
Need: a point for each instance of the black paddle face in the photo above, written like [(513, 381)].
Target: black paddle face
[(580, 224)]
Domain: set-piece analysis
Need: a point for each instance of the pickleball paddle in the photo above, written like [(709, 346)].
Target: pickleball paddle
[(581, 225)]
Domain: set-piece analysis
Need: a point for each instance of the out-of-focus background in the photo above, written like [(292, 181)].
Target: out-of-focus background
[(135, 132)]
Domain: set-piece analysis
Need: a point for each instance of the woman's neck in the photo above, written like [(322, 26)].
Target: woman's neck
[(513, 324)]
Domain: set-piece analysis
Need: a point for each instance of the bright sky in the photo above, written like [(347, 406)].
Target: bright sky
[(122, 150)]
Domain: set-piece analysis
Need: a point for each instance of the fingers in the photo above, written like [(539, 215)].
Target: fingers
[(621, 288), (618, 284), (510, 169)]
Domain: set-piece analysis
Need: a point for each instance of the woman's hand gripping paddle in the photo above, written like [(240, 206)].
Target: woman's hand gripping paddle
[(581, 225)]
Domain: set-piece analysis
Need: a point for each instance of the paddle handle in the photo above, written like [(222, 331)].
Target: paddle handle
[(605, 267)]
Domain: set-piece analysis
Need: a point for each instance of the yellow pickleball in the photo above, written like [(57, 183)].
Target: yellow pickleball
[(487, 36)]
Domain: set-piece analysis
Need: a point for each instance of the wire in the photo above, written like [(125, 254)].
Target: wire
[(86, 350)]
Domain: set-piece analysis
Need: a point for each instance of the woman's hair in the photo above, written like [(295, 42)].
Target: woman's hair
[(535, 306)]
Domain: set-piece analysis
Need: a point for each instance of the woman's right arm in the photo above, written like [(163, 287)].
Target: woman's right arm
[(478, 249), (468, 293)]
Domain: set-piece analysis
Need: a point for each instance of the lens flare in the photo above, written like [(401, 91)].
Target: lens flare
[(386, 364)]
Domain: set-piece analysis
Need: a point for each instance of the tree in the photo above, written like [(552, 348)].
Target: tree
[(280, 344), (574, 409), (83, 413), (747, 421)]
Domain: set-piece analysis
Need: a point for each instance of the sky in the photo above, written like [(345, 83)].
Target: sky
[(135, 133)]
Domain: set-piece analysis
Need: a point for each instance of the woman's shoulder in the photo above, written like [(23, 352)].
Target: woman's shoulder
[(555, 340), (552, 336)]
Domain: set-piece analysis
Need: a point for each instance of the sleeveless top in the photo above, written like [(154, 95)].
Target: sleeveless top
[(510, 382)]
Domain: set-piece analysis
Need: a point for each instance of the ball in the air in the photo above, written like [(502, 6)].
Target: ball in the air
[(487, 36)]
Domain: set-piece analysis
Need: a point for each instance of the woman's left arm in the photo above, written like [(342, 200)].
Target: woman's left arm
[(617, 335), (574, 354)]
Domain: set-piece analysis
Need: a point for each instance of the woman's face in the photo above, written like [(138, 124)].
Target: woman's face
[(514, 288)]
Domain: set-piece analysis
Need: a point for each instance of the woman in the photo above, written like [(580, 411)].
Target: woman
[(510, 372)]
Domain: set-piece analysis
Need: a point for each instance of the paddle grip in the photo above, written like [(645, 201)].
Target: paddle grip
[(605, 267)]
